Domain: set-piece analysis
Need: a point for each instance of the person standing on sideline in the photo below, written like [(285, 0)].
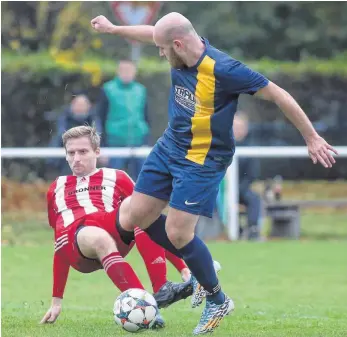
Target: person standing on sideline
[(123, 110)]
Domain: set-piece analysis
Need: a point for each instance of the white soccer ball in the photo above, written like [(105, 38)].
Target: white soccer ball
[(135, 309)]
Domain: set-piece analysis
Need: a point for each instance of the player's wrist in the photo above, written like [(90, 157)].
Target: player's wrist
[(57, 301), (114, 30), (311, 135)]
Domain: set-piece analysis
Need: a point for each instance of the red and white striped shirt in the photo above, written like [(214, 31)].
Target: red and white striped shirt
[(70, 198)]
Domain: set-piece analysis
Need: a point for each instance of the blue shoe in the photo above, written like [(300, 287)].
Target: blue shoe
[(159, 322), (213, 315), (199, 292)]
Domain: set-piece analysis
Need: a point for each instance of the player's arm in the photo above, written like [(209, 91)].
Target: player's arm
[(238, 79), (60, 267), (52, 216), (60, 276), (141, 33), (319, 149), (125, 183)]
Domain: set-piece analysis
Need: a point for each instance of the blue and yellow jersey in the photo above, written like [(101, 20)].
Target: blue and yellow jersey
[(202, 105)]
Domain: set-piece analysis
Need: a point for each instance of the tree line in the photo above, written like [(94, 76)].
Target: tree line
[(250, 30)]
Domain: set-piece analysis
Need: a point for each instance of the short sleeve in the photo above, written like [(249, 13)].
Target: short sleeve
[(124, 183), (236, 78)]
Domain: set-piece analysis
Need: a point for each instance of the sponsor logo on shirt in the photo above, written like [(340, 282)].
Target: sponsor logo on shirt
[(89, 188), (185, 98)]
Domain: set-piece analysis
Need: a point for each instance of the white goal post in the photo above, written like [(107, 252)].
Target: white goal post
[(231, 176)]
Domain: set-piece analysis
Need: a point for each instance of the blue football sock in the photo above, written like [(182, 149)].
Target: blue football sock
[(157, 233), (195, 254), (199, 260)]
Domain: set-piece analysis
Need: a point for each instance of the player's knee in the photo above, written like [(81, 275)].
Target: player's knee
[(178, 237), (104, 245), (125, 216), (180, 227), (143, 214)]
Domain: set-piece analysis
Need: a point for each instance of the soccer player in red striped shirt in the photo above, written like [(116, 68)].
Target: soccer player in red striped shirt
[(84, 209)]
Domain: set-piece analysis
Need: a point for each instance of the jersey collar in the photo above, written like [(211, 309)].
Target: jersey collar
[(207, 44)]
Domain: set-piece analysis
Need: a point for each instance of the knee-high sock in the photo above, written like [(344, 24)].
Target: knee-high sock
[(120, 272), (154, 257), (195, 254)]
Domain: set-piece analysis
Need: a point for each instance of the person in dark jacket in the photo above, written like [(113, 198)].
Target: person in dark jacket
[(248, 169), (248, 172)]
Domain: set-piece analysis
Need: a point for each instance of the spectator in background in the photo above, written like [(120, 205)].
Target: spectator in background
[(248, 171), (124, 114), (78, 112)]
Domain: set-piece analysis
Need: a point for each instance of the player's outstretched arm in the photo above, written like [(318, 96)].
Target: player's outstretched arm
[(141, 33), (318, 149), (60, 275)]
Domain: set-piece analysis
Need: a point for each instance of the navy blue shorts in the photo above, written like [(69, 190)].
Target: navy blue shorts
[(187, 186)]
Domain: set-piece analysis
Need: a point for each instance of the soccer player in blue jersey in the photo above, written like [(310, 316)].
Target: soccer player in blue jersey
[(188, 162)]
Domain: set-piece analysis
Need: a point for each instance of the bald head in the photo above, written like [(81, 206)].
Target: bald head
[(177, 40), (173, 26)]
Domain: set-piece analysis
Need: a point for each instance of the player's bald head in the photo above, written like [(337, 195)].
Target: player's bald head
[(171, 27)]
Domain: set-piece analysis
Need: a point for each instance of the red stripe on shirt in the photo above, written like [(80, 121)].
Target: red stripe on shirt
[(95, 195), (71, 200)]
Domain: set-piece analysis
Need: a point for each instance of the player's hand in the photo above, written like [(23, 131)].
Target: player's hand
[(53, 312), (51, 315), (102, 25), (320, 151)]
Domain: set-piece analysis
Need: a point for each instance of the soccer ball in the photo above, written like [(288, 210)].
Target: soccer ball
[(135, 309)]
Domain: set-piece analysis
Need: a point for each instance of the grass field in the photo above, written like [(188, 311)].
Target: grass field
[(282, 288)]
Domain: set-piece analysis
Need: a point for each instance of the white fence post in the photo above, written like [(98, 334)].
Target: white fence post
[(232, 199)]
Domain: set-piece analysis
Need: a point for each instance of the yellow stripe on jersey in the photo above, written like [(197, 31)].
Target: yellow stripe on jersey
[(204, 109)]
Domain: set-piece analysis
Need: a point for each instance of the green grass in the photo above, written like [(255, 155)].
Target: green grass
[(286, 288)]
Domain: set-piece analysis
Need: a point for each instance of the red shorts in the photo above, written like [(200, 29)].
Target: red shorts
[(104, 220)]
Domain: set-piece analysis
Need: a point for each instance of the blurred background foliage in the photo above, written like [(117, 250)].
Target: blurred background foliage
[(295, 30), (53, 36), (49, 51)]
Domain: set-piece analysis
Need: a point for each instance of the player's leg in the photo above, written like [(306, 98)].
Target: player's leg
[(152, 193), (252, 201), (202, 202), (165, 292), (153, 256), (194, 194), (193, 187), (180, 227), (140, 210), (96, 243), (179, 235)]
